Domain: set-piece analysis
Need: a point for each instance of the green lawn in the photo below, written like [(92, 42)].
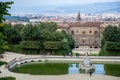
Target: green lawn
[(7, 78), (43, 69), (2, 63), (112, 69)]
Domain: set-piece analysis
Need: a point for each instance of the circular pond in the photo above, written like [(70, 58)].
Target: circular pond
[(66, 68)]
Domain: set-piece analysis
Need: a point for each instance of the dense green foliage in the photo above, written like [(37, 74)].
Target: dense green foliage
[(112, 69), (3, 43), (2, 63), (109, 52), (110, 44), (43, 69), (49, 39), (30, 33), (111, 33), (38, 38), (52, 45), (12, 33), (31, 47), (30, 44), (15, 48), (7, 78), (113, 46), (4, 6)]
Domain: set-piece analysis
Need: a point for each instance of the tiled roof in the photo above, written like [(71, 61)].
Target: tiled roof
[(86, 24)]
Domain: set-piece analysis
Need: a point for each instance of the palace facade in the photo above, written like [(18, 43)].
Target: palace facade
[(86, 34)]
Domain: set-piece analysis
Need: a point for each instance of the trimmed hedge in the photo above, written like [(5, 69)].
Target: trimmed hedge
[(59, 52), (52, 45), (30, 44), (113, 46), (31, 51), (31, 47), (15, 48), (7, 78), (110, 49)]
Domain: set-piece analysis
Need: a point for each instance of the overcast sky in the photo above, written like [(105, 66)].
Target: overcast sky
[(55, 2), (33, 6)]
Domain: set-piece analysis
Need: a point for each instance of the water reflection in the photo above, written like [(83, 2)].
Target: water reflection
[(99, 69), (74, 69)]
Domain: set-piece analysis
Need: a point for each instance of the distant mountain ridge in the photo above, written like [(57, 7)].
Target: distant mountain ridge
[(108, 7), (112, 7)]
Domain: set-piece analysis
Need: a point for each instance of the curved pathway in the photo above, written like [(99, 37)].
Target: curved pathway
[(9, 56)]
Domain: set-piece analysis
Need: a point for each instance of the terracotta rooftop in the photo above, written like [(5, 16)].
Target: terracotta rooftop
[(86, 24)]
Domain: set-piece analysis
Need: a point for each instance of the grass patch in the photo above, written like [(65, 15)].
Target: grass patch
[(112, 69), (7, 78), (2, 63), (43, 69)]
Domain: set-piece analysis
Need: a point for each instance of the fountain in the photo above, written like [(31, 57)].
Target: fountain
[(86, 64)]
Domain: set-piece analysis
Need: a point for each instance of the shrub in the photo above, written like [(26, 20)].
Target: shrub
[(110, 49), (113, 46), (59, 52), (7, 78), (2, 63), (54, 45), (15, 48), (30, 47), (30, 44), (31, 51)]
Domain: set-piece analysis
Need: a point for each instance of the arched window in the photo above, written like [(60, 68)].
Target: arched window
[(77, 46), (72, 32), (96, 32), (90, 31), (95, 47), (90, 46)]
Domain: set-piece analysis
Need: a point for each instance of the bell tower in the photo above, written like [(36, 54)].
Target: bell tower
[(79, 17)]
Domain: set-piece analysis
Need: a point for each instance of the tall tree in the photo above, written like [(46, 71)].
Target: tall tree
[(12, 33), (111, 33), (4, 6), (30, 33)]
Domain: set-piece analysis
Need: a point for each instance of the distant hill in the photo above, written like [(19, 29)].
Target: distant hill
[(108, 7), (112, 7)]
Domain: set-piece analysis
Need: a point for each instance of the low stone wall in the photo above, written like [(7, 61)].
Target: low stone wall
[(27, 59), (15, 62)]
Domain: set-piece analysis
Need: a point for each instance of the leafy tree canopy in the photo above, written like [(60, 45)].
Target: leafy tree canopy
[(4, 6)]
